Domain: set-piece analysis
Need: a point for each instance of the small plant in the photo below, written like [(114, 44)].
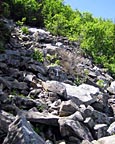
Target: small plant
[(37, 55), (24, 30), (21, 23), (100, 83), (77, 80), (53, 59), (57, 62)]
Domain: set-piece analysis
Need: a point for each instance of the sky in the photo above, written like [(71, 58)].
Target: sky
[(99, 8)]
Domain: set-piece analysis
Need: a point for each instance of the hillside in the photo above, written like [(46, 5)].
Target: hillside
[(47, 80), (52, 90)]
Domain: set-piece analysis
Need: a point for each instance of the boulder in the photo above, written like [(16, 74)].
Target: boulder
[(67, 108), (111, 129), (111, 88), (105, 140), (20, 132), (84, 93), (69, 127), (56, 87), (43, 118)]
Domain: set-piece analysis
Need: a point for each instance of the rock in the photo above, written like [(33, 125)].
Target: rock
[(6, 84), (61, 142), (38, 117), (111, 129), (70, 127), (100, 117), (19, 85), (5, 120), (38, 68), (21, 132), (56, 73), (84, 93), (86, 142), (87, 112), (49, 142), (73, 140), (29, 77), (101, 130), (67, 108), (105, 140), (56, 87), (24, 102), (89, 122), (111, 89), (77, 116)]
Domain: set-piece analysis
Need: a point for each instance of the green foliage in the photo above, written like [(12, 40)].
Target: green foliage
[(100, 83), (6, 9), (53, 60), (25, 8), (37, 55), (96, 35), (21, 22), (24, 30)]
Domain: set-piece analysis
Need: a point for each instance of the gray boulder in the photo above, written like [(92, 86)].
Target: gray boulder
[(67, 108), (69, 127), (56, 87), (21, 132), (84, 93), (111, 129)]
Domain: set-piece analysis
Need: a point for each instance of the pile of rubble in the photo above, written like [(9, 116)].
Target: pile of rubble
[(44, 103)]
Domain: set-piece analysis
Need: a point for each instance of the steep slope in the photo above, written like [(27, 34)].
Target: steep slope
[(49, 81)]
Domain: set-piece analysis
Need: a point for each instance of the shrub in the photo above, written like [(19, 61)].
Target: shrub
[(24, 30), (37, 55)]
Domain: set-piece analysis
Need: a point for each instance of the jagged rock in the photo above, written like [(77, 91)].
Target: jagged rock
[(77, 116), (19, 85), (67, 108), (29, 77), (73, 140), (56, 73), (6, 84), (61, 142), (111, 89), (38, 117), (5, 120), (101, 130), (111, 129), (100, 117), (84, 93), (70, 127), (89, 122), (49, 142), (105, 140), (86, 142), (52, 96), (55, 106), (56, 87), (21, 132), (24, 102), (39, 68)]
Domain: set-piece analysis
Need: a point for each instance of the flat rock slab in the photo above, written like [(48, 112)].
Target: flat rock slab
[(38, 117), (85, 93)]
